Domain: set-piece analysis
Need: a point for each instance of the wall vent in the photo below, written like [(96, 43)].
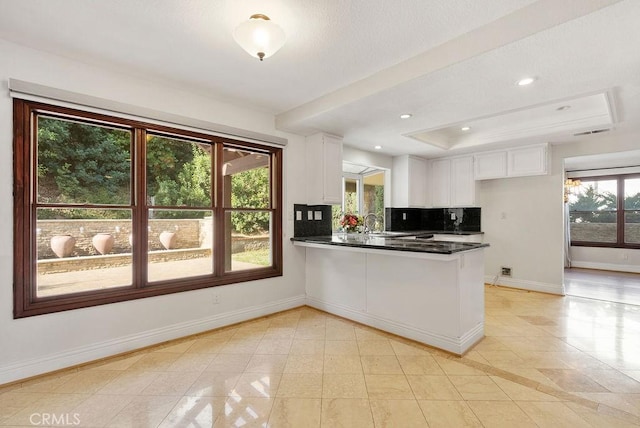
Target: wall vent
[(595, 131)]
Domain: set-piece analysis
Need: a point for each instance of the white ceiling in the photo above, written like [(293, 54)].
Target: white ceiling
[(352, 67)]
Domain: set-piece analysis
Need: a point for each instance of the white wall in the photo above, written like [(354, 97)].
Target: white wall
[(618, 259), (529, 236), (34, 345)]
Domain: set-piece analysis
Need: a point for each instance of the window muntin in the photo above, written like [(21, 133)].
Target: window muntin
[(604, 212), (132, 181)]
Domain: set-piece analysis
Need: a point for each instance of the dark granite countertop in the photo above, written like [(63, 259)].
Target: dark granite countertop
[(395, 243), (440, 232)]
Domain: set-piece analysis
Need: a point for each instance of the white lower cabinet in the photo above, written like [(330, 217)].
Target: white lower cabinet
[(431, 298)]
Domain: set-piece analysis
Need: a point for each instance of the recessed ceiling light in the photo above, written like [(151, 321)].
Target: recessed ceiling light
[(405, 116), (378, 147), (561, 108), (465, 128), (526, 81)]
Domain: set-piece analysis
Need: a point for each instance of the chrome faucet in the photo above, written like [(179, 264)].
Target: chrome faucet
[(366, 222)]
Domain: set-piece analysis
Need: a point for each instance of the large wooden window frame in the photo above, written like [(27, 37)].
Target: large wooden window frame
[(26, 301), (620, 214)]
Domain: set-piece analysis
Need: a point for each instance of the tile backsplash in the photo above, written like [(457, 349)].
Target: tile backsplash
[(445, 219), (315, 220), (311, 220)]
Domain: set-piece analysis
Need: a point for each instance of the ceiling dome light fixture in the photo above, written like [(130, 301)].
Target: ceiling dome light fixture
[(526, 81), (405, 116), (378, 147), (259, 36), (465, 128)]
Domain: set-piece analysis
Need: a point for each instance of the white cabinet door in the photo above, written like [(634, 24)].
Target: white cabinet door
[(463, 185), (441, 182), (332, 171), (409, 182), (417, 182), (490, 165), (324, 169), (531, 160)]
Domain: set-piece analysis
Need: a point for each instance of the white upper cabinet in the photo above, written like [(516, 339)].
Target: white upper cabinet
[(441, 182), (490, 165), (530, 160), (452, 182), (463, 185), (517, 162), (409, 182), (324, 169)]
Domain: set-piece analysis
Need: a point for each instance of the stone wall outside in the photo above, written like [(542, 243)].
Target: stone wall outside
[(603, 232), (189, 234)]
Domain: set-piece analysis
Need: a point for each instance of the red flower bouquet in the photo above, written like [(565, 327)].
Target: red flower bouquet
[(350, 222)]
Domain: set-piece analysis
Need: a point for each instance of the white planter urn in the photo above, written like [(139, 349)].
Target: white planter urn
[(62, 245), (103, 242), (168, 239)]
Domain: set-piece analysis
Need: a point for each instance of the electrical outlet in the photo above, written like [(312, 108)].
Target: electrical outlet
[(404, 216), (505, 271), (216, 299)]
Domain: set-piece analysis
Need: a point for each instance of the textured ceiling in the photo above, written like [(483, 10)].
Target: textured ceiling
[(351, 67)]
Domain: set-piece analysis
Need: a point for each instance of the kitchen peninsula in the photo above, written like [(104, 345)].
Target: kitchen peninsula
[(428, 291)]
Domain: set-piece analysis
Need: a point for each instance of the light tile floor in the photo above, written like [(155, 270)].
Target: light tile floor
[(620, 287), (546, 361)]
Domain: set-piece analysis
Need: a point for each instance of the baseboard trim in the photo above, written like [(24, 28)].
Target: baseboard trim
[(84, 354), (606, 266), (454, 345), (523, 284)]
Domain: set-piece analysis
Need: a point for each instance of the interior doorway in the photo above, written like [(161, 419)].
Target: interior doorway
[(602, 226)]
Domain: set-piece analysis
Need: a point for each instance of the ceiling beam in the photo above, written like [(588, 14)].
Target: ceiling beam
[(532, 19)]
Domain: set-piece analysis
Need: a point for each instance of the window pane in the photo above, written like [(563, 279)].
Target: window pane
[(373, 199), (248, 242), (632, 210), (80, 163), (82, 250), (351, 196), (592, 208), (178, 172), (246, 179), (180, 244)]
